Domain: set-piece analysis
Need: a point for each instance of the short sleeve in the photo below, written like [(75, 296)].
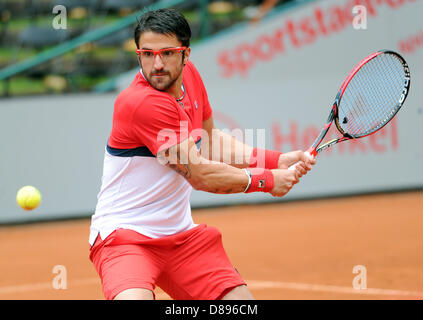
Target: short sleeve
[(159, 123)]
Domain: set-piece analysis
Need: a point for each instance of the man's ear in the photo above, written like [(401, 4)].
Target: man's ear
[(186, 55)]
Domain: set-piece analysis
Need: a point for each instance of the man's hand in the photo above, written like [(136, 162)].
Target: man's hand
[(304, 165), (284, 180)]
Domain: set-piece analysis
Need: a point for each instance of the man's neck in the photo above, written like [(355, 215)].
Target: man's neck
[(176, 89)]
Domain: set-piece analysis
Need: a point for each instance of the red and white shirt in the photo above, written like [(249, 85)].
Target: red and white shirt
[(137, 192)]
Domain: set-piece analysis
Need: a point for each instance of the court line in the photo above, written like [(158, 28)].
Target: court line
[(252, 284), (259, 285), (47, 285)]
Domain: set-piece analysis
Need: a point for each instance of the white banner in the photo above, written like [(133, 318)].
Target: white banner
[(282, 75)]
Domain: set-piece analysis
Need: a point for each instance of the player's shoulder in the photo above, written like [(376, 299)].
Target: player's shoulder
[(192, 77), (191, 69)]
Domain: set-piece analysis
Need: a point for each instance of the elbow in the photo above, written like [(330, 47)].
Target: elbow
[(200, 182)]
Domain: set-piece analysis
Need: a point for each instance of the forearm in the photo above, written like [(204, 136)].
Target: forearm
[(227, 149), (214, 177), (217, 177)]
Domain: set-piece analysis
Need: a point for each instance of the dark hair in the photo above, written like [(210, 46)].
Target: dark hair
[(164, 21)]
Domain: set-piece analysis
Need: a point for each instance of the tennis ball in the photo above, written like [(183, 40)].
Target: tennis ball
[(28, 197)]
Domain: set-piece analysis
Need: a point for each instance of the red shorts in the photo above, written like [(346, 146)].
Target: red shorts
[(188, 265)]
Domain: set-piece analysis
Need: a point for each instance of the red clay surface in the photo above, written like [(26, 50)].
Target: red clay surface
[(293, 250)]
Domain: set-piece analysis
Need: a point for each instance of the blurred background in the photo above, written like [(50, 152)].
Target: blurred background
[(272, 67), (84, 64)]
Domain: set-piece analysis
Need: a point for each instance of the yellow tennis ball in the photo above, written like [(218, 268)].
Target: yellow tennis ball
[(28, 197)]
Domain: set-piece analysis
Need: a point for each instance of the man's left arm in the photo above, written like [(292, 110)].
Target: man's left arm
[(223, 147)]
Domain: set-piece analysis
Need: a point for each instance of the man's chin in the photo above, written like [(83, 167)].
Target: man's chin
[(160, 85)]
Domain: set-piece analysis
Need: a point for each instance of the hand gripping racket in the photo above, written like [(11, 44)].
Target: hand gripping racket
[(368, 99)]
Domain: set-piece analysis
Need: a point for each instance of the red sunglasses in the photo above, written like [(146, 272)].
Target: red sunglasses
[(163, 53)]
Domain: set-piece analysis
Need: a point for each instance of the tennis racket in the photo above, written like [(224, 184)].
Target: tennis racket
[(371, 95)]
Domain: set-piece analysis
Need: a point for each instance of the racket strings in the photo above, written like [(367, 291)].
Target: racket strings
[(371, 97), (368, 105)]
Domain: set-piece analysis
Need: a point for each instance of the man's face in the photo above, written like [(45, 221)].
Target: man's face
[(160, 72)]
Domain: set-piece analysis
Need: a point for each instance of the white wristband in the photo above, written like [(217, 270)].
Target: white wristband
[(248, 173)]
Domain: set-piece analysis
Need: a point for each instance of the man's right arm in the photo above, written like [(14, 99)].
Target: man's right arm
[(217, 177)]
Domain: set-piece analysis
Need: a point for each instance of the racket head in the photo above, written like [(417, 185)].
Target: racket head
[(372, 94)]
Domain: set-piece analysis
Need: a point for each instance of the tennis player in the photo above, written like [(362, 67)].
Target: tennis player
[(142, 233)]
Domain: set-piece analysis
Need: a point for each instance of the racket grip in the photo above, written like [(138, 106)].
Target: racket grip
[(295, 164)]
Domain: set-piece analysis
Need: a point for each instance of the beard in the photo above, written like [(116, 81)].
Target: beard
[(163, 79)]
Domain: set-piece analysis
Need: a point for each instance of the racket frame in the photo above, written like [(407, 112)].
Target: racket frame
[(333, 115)]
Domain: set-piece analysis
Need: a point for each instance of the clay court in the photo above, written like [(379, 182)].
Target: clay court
[(290, 250)]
